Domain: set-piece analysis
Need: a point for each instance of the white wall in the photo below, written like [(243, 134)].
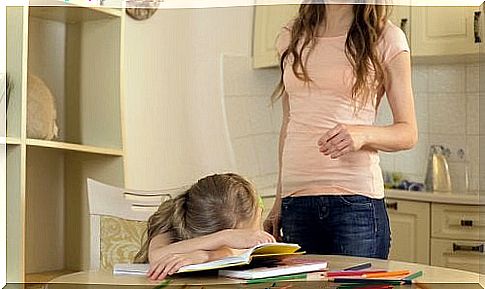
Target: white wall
[(175, 129)]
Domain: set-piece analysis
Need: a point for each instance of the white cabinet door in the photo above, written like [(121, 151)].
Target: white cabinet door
[(401, 17), (410, 227), (268, 21), (443, 31), (458, 254)]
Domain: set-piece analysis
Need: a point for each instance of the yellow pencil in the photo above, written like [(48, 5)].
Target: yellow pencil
[(386, 274)]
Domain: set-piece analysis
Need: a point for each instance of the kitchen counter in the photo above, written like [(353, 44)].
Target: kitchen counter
[(435, 197), (442, 198)]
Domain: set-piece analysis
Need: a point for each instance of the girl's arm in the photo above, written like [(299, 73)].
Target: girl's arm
[(401, 135), (173, 262), (160, 245), (166, 258)]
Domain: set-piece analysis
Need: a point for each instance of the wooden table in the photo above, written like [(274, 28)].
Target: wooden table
[(433, 277)]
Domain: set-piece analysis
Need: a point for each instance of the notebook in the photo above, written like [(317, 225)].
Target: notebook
[(131, 269), (262, 251), (274, 271)]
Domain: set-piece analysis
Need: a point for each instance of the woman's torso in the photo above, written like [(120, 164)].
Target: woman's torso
[(315, 108)]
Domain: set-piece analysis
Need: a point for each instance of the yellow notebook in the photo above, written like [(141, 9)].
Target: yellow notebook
[(267, 250)]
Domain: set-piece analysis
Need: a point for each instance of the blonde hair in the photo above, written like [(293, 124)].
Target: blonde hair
[(214, 203), (360, 48)]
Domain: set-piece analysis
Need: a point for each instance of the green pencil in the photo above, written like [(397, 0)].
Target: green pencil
[(277, 278), (414, 276)]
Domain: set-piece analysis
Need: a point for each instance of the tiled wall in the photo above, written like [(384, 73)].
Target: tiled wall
[(447, 109), (253, 122)]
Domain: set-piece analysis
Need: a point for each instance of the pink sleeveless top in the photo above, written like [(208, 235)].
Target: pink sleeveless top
[(320, 105)]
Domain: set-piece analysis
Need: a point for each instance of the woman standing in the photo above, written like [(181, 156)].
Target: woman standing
[(337, 63)]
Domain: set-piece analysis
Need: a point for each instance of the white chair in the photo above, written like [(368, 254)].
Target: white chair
[(120, 214)]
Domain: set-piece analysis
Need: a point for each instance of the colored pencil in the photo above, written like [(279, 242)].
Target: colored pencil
[(414, 276), (369, 281), (277, 278), (351, 273), (358, 286), (386, 274), (358, 267)]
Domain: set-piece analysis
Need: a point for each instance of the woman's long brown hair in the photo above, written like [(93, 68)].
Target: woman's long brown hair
[(360, 48)]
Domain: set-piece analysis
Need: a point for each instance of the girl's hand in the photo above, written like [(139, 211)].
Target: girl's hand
[(245, 238), (341, 140), (272, 224), (170, 263)]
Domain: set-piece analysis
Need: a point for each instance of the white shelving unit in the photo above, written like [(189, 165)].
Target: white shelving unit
[(78, 52)]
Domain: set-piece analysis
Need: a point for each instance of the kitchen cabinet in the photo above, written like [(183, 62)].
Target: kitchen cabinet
[(268, 21), (445, 31), (431, 31), (401, 17), (410, 225), (455, 237), (458, 254)]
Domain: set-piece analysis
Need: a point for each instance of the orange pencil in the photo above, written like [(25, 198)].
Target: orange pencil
[(386, 274)]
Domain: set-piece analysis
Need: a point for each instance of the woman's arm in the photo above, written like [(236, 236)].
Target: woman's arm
[(400, 135), (272, 222)]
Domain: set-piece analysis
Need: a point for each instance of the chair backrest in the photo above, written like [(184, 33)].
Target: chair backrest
[(118, 221)]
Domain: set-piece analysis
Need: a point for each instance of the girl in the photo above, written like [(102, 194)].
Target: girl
[(337, 61), (216, 215)]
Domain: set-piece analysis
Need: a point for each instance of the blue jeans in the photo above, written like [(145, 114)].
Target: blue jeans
[(337, 225)]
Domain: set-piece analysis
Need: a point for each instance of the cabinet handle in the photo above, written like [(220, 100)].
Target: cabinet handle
[(466, 223), (404, 25), (466, 248), (476, 27), (391, 206)]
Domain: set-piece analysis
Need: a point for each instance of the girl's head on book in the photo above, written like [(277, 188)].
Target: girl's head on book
[(214, 203)]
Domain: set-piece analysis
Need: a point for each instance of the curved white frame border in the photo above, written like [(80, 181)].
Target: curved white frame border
[(3, 147), (171, 4)]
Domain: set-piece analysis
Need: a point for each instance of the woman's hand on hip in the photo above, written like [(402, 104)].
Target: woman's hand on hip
[(341, 140)]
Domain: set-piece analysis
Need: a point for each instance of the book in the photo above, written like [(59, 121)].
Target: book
[(131, 269), (262, 251), (282, 270)]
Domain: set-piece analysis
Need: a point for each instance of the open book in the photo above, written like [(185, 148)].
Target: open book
[(267, 250)]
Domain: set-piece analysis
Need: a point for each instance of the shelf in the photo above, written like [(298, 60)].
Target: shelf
[(9, 140), (74, 147), (72, 13)]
